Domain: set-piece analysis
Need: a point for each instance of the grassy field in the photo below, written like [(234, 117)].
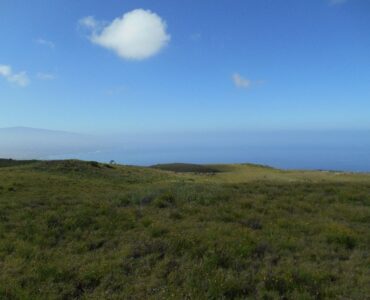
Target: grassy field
[(83, 230)]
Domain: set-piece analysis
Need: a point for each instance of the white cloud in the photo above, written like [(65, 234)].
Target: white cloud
[(241, 82), (89, 22), (5, 70), (46, 43), (335, 2), (20, 79), (245, 83), (137, 35), (45, 76)]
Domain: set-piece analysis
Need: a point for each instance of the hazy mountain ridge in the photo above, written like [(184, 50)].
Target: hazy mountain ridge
[(26, 142)]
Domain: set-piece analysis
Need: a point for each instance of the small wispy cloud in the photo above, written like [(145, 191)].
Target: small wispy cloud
[(337, 2), (46, 43), (5, 70), (243, 82), (21, 78), (45, 76), (89, 22)]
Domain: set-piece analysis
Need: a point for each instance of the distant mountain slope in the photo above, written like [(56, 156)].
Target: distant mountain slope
[(31, 143)]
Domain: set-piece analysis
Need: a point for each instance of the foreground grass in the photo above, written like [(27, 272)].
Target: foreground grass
[(72, 230)]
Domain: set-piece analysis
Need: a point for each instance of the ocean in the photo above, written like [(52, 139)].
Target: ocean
[(331, 150)]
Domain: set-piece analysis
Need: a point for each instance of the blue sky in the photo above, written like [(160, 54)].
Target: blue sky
[(221, 65)]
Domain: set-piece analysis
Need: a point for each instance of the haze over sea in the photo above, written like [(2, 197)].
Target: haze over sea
[(324, 150)]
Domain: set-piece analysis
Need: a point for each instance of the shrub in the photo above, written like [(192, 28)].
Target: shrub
[(341, 235), (165, 200), (252, 223)]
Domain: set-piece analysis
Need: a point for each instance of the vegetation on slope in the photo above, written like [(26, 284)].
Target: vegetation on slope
[(71, 230), (11, 162), (186, 168)]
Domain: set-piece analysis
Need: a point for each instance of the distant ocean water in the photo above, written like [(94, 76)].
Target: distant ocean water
[(342, 150), (355, 159)]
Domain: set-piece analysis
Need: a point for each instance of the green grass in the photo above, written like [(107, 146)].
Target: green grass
[(11, 163), (82, 230), (186, 168)]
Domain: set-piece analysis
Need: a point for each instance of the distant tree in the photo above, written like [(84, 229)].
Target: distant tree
[(112, 162)]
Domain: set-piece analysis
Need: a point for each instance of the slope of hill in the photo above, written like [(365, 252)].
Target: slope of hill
[(73, 229), (185, 168), (11, 162)]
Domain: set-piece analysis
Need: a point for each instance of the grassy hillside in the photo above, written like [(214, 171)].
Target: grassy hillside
[(72, 230), (12, 163), (186, 168)]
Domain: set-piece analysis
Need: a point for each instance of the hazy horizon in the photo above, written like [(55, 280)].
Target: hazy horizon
[(342, 150), (284, 83)]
